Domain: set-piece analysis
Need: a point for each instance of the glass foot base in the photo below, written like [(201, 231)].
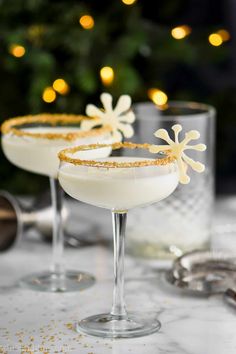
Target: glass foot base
[(52, 282), (135, 324)]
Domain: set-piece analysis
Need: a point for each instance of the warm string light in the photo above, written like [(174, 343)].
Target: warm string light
[(159, 97), (87, 22), (128, 2), (17, 50), (216, 39), (107, 75), (180, 32), (49, 95), (61, 86), (224, 35)]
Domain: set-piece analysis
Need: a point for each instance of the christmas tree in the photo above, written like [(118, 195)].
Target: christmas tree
[(56, 56)]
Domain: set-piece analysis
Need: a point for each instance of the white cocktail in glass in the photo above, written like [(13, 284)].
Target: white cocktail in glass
[(118, 183), (32, 143)]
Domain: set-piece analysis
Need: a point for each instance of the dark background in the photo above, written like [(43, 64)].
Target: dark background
[(136, 42)]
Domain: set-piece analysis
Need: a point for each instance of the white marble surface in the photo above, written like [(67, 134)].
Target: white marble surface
[(43, 322)]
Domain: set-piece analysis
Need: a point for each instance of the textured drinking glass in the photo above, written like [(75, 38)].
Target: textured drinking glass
[(183, 221)]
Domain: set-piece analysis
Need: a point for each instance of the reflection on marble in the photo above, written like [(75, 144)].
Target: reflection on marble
[(45, 322)]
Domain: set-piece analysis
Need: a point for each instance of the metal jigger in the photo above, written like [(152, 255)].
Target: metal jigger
[(16, 219)]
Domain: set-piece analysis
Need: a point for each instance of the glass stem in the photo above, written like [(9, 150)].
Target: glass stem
[(58, 263), (119, 225)]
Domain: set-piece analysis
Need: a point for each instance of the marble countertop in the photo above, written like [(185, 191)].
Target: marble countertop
[(32, 322)]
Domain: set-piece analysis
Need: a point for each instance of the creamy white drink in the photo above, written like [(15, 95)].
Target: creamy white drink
[(119, 188), (39, 155), (118, 183), (32, 143)]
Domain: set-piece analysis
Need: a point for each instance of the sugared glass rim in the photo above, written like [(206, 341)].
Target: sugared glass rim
[(63, 156), (10, 126)]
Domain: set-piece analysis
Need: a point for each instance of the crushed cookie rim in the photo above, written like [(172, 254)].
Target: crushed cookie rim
[(10, 126), (63, 156)]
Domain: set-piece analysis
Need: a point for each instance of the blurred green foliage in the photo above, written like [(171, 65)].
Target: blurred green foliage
[(142, 53)]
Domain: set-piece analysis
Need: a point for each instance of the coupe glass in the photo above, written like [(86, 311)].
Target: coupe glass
[(118, 183), (32, 143)]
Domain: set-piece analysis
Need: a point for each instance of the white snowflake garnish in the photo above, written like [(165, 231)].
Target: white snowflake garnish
[(177, 150), (119, 118)]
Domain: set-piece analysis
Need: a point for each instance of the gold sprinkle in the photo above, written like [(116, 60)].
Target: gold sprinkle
[(19, 333), (63, 156), (70, 325)]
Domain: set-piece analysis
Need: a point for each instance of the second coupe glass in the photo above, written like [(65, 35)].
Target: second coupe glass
[(32, 143)]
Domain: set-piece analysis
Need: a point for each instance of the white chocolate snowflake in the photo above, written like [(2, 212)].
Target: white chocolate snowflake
[(177, 150), (118, 119)]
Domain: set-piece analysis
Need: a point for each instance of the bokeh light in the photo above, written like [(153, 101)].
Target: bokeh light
[(225, 35), (159, 97), (107, 75), (180, 32), (128, 2), (215, 39), (17, 51), (49, 95), (61, 86), (87, 22)]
